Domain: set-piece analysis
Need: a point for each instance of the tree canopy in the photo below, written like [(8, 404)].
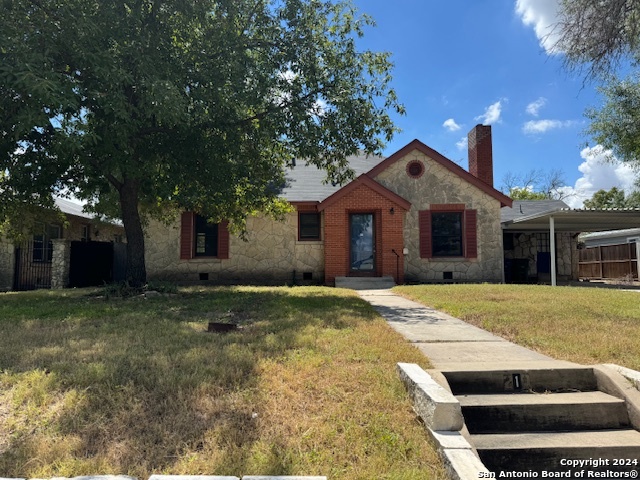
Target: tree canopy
[(616, 123), (145, 106), (599, 37), (596, 36), (613, 198)]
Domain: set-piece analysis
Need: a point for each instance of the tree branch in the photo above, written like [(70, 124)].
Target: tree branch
[(275, 108)]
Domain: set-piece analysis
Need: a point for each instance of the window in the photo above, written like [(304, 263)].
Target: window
[(309, 226), (199, 238), (42, 246), (448, 230), (86, 233), (206, 238), (446, 234), (415, 169)]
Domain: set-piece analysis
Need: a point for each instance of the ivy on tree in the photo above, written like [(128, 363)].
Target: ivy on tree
[(144, 107)]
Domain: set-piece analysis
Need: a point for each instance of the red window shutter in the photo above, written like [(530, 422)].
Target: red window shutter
[(471, 233), (424, 224), (223, 239), (186, 236)]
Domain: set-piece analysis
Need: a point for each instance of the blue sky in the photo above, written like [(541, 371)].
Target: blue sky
[(460, 62)]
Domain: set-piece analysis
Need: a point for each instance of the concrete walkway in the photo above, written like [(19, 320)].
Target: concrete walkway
[(450, 343)]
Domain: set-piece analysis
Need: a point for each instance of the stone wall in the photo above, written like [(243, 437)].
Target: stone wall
[(60, 263), (270, 255), (98, 231), (438, 185), (526, 245)]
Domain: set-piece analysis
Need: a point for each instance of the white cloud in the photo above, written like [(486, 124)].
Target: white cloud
[(542, 15), (491, 114), (451, 125), (597, 174), (536, 127), (462, 143), (534, 107)]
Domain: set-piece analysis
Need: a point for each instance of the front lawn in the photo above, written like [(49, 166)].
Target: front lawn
[(580, 324), (137, 386)]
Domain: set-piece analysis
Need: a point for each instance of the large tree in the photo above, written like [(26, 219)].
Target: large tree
[(616, 124), (149, 106), (596, 36)]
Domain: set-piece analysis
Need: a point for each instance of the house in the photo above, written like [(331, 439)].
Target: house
[(415, 216), (611, 237), (31, 264)]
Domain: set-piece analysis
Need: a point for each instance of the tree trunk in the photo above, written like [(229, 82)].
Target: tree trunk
[(136, 272)]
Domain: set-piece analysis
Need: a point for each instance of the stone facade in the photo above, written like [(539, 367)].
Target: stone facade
[(527, 245), (60, 263), (380, 224), (271, 254), (439, 185)]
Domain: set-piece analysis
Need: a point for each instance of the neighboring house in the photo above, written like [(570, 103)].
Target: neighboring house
[(611, 237), (29, 265), (415, 216), (527, 251), (611, 255)]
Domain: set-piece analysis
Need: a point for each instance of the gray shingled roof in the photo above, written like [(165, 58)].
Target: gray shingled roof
[(71, 208), (77, 209), (306, 183), (526, 208)]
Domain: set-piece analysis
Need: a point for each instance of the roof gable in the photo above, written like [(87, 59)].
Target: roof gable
[(445, 162), (307, 182), (370, 183)]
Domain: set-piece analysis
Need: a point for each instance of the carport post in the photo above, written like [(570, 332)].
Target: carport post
[(552, 239)]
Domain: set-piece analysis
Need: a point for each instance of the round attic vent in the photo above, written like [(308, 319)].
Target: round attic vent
[(415, 169)]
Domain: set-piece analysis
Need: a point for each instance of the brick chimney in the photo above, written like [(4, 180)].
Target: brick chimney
[(480, 153)]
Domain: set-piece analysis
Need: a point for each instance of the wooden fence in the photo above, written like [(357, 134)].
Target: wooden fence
[(609, 261)]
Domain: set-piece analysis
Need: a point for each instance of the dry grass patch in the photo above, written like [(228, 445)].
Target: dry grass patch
[(306, 387), (583, 325)]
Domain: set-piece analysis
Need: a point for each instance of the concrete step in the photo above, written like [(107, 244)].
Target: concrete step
[(365, 283), (561, 379), (529, 412), (544, 451)]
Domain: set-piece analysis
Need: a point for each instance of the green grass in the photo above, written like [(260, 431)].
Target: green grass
[(579, 324), (137, 386)]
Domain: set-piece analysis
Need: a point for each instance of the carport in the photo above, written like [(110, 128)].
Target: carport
[(573, 220)]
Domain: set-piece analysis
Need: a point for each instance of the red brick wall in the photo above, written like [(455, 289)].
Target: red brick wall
[(480, 153), (388, 233)]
